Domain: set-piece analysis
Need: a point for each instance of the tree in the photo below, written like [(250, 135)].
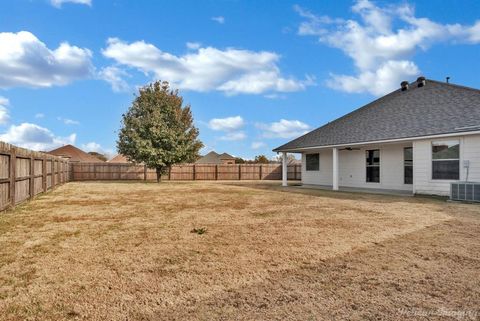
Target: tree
[(158, 130), (261, 159), (99, 156), (290, 158), (239, 160)]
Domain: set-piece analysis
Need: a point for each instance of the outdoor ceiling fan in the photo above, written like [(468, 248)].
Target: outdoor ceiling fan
[(350, 148)]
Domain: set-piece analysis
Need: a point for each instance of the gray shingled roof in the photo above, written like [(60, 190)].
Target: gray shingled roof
[(214, 158), (226, 156), (436, 108)]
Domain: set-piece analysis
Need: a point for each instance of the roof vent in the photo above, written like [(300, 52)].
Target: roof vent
[(420, 82), (404, 85)]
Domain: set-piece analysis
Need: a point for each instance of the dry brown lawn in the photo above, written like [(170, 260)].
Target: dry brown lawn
[(125, 251)]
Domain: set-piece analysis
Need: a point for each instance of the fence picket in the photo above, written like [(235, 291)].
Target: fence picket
[(111, 171), (25, 174)]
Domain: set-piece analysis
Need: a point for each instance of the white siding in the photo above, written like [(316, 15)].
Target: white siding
[(324, 175), (422, 160), (352, 168), (471, 152)]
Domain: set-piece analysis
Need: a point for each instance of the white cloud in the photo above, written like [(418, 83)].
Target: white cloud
[(381, 43), (26, 61), (193, 45), (283, 129), (92, 147), (232, 71), (380, 81), (34, 137), (230, 125), (226, 124), (39, 115), (4, 115), (59, 3), (219, 19), (114, 76), (233, 136), (96, 147), (68, 121), (258, 145)]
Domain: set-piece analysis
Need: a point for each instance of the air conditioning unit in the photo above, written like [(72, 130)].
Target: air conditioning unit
[(465, 191)]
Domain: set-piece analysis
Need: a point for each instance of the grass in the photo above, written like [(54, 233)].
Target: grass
[(219, 251)]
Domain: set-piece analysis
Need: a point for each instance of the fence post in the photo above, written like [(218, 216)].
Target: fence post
[(52, 177), (260, 171), (13, 161), (170, 172), (194, 174), (144, 172), (216, 172), (239, 172), (59, 167), (67, 166), (32, 177), (44, 173)]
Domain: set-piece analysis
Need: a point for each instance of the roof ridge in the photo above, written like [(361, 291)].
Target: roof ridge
[(442, 101), (344, 116), (454, 85)]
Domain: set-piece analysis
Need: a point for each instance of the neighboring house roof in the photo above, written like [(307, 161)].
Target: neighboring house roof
[(214, 158), (74, 154), (119, 159), (436, 108), (226, 156)]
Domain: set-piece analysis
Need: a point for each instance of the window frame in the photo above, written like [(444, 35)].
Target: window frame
[(317, 169), (373, 165), (405, 165), (433, 160)]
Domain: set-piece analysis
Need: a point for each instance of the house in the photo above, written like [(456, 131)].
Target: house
[(418, 139), (119, 159), (74, 154), (215, 158)]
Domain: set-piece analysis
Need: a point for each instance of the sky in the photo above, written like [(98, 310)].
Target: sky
[(256, 73)]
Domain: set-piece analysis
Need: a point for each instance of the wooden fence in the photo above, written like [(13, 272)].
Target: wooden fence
[(110, 171), (25, 173)]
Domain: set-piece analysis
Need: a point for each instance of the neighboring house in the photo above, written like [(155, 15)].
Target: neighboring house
[(419, 139), (119, 159), (215, 158), (74, 154)]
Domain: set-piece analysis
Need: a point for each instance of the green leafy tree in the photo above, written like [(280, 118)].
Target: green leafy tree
[(239, 160), (158, 129), (261, 159)]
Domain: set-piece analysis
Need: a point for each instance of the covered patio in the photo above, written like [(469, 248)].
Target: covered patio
[(382, 168)]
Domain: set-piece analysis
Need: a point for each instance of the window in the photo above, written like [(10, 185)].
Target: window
[(408, 165), (313, 162), (373, 166), (446, 160)]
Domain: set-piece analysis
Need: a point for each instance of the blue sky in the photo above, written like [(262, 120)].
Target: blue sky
[(256, 74)]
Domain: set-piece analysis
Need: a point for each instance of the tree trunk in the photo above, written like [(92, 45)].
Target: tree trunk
[(159, 174)]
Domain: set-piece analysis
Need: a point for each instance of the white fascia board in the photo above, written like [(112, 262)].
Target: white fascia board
[(397, 140)]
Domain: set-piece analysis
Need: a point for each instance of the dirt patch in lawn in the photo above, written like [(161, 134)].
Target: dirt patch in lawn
[(110, 251)]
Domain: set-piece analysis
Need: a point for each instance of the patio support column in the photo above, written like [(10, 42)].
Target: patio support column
[(335, 169), (284, 169)]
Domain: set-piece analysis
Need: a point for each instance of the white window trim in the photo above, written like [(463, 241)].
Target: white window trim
[(460, 160), (403, 167), (312, 170), (379, 166)]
